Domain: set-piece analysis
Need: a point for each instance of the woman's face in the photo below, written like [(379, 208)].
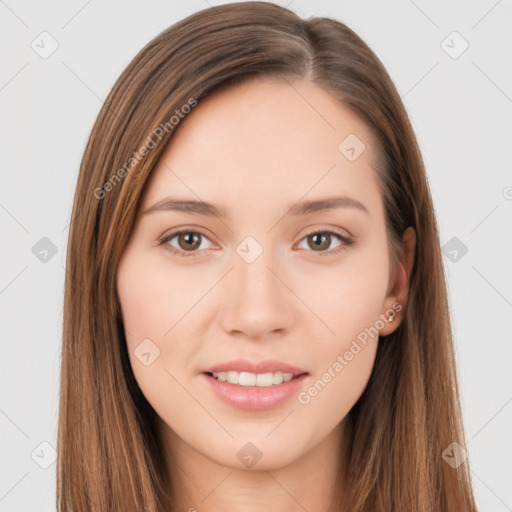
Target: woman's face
[(253, 292)]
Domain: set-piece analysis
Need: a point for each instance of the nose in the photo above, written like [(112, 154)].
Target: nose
[(259, 301)]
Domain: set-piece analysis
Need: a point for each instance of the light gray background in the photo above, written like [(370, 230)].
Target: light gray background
[(461, 112)]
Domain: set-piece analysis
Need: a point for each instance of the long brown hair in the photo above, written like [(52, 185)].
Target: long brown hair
[(109, 453)]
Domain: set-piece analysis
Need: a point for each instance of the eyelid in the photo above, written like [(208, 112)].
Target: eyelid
[(342, 233), (183, 229)]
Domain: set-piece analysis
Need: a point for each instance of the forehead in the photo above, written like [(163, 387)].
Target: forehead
[(267, 139)]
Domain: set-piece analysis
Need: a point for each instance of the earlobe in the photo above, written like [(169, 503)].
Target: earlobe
[(391, 318), (395, 304)]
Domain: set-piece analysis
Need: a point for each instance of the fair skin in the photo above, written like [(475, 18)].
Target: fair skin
[(255, 150)]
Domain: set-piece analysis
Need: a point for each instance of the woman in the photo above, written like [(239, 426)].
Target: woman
[(255, 309)]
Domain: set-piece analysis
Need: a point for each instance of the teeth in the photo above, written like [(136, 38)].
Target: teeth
[(264, 379), (253, 379), (247, 379), (277, 378)]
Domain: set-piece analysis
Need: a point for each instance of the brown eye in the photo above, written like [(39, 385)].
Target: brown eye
[(189, 240), (320, 241)]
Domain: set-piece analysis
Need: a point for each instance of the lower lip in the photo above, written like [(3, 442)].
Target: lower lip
[(255, 398)]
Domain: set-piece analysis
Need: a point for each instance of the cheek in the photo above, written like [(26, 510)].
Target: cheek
[(139, 303), (342, 370), (150, 308), (157, 307), (346, 298), (145, 321), (153, 300), (333, 392)]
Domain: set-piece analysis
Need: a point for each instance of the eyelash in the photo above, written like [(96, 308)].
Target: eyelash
[(346, 242)]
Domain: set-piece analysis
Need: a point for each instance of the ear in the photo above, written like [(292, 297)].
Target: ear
[(394, 304)]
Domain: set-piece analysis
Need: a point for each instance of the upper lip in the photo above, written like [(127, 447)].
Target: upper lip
[(244, 365)]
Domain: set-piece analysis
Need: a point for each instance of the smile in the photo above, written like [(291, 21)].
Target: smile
[(254, 391), (253, 379)]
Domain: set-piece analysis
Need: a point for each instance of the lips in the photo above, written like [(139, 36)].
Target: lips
[(255, 386), (244, 365)]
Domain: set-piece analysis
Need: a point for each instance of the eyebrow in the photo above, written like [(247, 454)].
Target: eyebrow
[(211, 210)]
